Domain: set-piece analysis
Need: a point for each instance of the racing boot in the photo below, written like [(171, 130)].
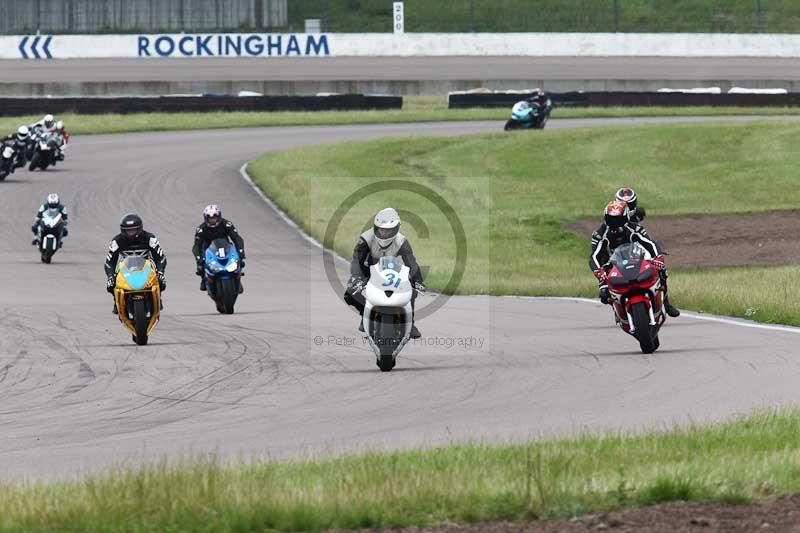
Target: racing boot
[(114, 311), (202, 283), (672, 311), (241, 287), (415, 334), (361, 325)]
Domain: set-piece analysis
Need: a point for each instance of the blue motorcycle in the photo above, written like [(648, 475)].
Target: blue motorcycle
[(525, 116), (223, 270)]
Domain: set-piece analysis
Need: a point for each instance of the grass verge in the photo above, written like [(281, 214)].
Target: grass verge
[(747, 459), (416, 109), (524, 188)]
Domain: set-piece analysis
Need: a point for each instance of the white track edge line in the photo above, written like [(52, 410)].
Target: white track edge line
[(286, 218), (710, 318)]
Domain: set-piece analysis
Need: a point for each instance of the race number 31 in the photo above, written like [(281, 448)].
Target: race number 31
[(397, 17)]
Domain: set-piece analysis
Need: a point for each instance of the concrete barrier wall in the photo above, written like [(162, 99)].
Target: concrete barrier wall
[(409, 44), (92, 16)]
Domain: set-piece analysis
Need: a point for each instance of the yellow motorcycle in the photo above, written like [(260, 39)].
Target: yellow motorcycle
[(138, 295)]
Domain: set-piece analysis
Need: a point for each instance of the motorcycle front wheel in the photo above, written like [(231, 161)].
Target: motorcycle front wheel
[(643, 330), (141, 321)]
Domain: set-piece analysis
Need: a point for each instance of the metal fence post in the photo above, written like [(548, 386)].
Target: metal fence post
[(760, 16), (472, 15)]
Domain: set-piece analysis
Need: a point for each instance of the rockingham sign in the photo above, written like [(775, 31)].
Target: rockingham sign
[(191, 45), (231, 45)]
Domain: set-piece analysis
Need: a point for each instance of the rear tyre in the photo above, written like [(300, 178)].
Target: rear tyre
[(227, 295), (643, 329), (140, 321)]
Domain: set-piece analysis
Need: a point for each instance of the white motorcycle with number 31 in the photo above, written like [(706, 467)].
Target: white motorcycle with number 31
[(387, 312)]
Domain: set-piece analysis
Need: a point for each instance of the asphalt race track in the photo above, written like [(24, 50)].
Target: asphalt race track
[(399, 68), (77, 395)]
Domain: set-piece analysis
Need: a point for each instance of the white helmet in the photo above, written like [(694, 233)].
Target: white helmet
[(212, 212), (22, 133), (53, 200), (386, 226), (48, 120), (59, 125)]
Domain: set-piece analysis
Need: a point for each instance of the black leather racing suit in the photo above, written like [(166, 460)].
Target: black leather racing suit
[(636, 215), (20, 148), (145, 241), (605, 241), (205, 235)]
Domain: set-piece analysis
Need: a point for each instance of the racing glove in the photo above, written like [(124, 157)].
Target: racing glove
[(110, 283), (604, 294), (601, 275), (162, 282), (658, 262), (420, 287), (356, 285)]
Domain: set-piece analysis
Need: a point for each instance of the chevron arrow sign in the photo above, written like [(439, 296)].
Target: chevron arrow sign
[(35, 47)]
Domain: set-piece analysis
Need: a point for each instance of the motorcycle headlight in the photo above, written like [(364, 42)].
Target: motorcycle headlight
[(232, 266), (214, 267)]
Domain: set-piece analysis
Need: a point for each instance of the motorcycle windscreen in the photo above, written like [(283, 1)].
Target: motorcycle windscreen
[(627, 261), (389, 263), (51, 217), (136, 271), (221, 254)]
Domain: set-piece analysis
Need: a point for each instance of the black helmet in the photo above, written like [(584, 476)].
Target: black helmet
[(628, 196), (130, 226)]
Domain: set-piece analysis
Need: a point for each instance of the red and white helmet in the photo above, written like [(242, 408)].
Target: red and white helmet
[(616, 214), (212, 214)]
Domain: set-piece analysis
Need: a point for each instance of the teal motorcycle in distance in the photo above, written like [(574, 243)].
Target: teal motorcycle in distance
[(525, 116)]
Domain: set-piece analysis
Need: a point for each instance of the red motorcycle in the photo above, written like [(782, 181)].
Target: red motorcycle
[(637, 295)]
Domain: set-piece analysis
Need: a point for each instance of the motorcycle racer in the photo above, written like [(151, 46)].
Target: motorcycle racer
[(19, 141), (47, 123), (384, 239), (51, 202), (616, 230), (215, 227), (133, 237)]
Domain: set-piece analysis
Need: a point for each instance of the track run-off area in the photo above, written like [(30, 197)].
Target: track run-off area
[(76, 395)]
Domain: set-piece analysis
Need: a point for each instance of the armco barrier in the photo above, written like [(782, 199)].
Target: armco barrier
[(11, 107), (629, 99)]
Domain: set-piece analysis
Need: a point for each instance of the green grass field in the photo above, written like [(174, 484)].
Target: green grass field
[(415, 109), (742, 16), (747, 459), (516, 192)]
